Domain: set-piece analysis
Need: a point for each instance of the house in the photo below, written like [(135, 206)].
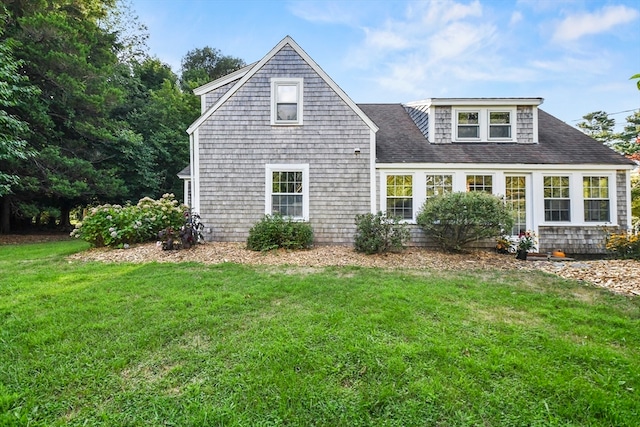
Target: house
[(279, 135)]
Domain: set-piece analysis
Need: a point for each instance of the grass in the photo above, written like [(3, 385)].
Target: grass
[(232, 345)]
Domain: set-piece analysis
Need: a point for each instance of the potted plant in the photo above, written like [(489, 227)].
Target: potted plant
[(526, 243)]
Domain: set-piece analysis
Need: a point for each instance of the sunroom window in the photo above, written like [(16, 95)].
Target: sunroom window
[(557, 203), (596, 198), (438, 184), (480, 183)]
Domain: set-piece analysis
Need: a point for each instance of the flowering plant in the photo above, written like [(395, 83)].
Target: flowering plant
[(527, 241)]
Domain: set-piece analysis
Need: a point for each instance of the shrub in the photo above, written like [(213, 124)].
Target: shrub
[(625, 245), (115, 225), (276, 231), (379, 233), (454, 220)]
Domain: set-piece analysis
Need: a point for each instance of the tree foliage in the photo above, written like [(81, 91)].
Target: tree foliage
[(87, 116), (598, 125), (200, 66)]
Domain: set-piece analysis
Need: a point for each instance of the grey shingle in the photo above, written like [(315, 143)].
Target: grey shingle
[(400, 140)]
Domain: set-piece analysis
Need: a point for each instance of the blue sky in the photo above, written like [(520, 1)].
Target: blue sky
[(577, 55)]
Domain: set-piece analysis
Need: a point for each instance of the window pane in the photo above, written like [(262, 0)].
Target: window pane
[(287, 205), (468, 118), (468, 131), (596, 198), (438, 184), (287, 111), (287, 94), (399, 196), (500, 118), (515, 198), (499, 131), (480, 183)]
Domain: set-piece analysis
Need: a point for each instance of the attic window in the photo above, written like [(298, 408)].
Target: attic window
[(483, 124), (286, 101)]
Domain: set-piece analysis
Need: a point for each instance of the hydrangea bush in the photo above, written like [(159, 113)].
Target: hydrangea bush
[(115, 225)]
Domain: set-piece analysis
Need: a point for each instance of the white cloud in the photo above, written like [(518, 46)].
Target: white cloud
[(516, 17), (576, 26)]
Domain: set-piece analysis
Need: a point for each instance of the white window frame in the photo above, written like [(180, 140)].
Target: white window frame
[(512, 128), (286, 81), (608, 198), (484, 119), (283, 167)]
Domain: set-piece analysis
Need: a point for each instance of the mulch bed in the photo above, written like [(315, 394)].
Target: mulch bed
[(619, 276)]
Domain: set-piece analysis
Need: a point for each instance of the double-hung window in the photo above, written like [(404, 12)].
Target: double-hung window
[(557, 201), (596, 198), (499, 125), (400, 196), (286, 101), (468, 125), (287, 191)]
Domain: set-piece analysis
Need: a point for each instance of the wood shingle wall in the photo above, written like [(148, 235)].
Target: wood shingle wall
[(237, 141)]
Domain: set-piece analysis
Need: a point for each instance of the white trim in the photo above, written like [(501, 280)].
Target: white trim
[(628, 191), (195, 170), (286, 81), (254, 69), (372, 170), (287, 167), (535, 126), (478, 101)]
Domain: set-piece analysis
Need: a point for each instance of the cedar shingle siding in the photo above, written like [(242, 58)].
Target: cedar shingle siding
[(237, 141), (234, 141)]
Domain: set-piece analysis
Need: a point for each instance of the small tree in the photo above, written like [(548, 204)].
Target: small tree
[(454, 220)]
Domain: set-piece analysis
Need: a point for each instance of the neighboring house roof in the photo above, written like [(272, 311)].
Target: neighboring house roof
[(247, 72), (400, 140)]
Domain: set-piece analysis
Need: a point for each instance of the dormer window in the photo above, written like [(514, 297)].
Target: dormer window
[(286, 101), (484, 124), (468, 125), (499, 125)]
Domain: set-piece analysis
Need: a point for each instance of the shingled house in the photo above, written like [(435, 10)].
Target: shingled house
[(280, 135)]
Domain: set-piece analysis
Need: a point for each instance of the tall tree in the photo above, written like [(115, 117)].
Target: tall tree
[(599, 126), (200, 66), (628, 141)]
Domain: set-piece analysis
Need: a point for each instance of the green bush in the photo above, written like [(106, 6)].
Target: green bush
[(115, 225), (454, 220), (379, 233), (276, 231)]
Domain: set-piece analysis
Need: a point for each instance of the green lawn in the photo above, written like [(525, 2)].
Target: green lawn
[(233, 345)]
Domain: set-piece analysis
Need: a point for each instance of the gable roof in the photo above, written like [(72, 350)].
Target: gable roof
[(248, 72), (400, 140)]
